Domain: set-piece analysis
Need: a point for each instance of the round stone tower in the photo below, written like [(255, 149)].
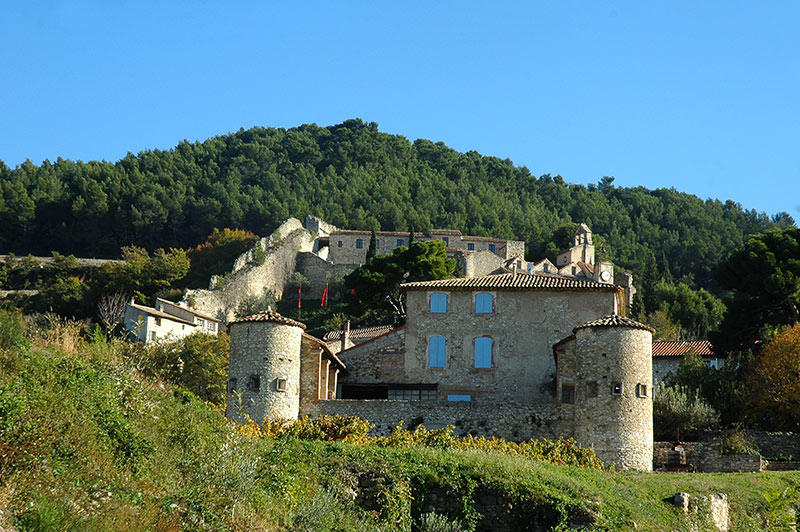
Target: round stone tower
[(264, 374), (613, 391)]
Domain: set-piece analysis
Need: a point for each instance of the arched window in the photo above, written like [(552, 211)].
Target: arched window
[(437, 346), (484, 303), (438, 302), (483, 352)]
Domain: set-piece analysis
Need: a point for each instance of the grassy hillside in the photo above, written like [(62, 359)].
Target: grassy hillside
[(93, 437)]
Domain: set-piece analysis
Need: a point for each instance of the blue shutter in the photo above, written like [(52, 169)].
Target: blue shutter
[(484, 303), (436, 351), (438, 302), (483, 352)]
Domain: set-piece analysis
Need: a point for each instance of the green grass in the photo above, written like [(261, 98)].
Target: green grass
[(89, 442)]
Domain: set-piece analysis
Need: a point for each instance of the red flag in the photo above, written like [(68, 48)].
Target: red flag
[(324, 301), (300, 296)]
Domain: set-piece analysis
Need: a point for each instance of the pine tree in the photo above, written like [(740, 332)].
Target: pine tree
[(372, 250)]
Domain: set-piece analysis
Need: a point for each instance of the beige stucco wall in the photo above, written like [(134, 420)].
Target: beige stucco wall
[(524, 328), (143, 325), (271, 351)]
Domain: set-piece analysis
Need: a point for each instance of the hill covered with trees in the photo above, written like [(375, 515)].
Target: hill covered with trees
[(354, 176)]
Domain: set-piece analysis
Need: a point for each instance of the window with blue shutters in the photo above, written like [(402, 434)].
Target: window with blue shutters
[(484, 303), (491, 247), (483, 352), (438, 302), (437, 346)]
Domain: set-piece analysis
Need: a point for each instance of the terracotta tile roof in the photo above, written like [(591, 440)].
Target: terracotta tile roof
[(270, 316), (509, 281), (387, 333), (612, 320), (363, 333), (680, 348), (417, 234), (159, 314)]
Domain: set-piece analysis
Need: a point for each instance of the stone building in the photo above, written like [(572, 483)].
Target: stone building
[(277, 370), (667, 356), (510, 355)]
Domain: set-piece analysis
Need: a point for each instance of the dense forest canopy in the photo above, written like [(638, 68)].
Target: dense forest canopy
[(353, 176)]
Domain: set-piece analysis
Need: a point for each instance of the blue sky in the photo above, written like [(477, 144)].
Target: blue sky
[(700, 96)]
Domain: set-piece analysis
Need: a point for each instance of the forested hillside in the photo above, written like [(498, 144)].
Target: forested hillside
[(354, 176)]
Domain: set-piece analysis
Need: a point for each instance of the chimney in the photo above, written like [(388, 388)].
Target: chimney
[(514, 269), (345, 335)]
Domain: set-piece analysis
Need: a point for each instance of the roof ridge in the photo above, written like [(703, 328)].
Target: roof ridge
[(614, 320)]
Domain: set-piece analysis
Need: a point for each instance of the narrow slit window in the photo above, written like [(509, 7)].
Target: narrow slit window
[(437, 347), (568, 393)]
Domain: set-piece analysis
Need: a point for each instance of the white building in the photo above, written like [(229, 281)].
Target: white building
[(167, 320)]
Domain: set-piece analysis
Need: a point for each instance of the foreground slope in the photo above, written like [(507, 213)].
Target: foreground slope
[(91, 440)]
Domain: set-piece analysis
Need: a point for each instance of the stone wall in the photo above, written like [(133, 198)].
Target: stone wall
[(250, 280), (616, 418), (319, 272), (480, 263), (514, 422), (380, 360), (705, 457), (523, 328), (262, 353)]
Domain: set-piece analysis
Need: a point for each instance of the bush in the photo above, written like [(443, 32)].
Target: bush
[(433, 522), (12, 329), (676, 408)]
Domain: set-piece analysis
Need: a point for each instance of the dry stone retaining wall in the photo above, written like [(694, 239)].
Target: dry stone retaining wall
[(508, 421)]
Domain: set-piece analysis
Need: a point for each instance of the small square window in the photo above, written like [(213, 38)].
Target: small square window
[(401, 242), (568, 393), (641, 390), (359, 243), (339, 244), (591, 389), (491, 247), (152, 335), (471, 247), (158, 322), (616, 388), (254, 383), (280, 384), (231, 385)]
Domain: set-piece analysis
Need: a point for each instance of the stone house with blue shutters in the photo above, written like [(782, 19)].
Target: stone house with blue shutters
[(516, 355)]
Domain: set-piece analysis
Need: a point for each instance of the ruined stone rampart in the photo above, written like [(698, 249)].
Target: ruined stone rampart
[(514, 422), (249, 279), (319, 272)]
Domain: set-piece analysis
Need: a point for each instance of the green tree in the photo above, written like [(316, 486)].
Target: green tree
[(143, 275), (375, 287), (677, 408), (696, 311), (372, 250), (765, 275)]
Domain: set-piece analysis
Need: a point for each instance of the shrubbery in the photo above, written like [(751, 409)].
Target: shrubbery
[(676, 408), (356, 430)]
